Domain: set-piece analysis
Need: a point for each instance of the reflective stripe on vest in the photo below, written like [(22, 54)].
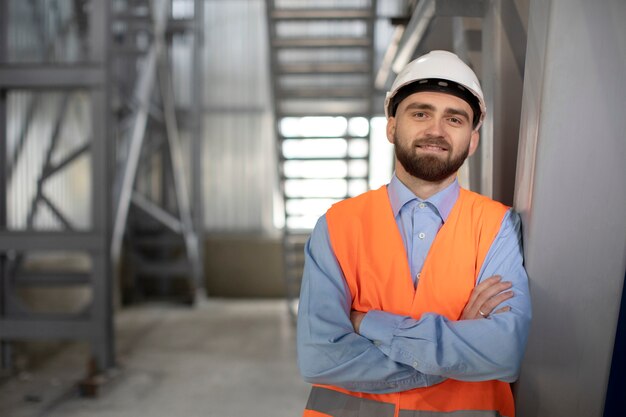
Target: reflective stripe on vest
[(461, 413), (338, 404)]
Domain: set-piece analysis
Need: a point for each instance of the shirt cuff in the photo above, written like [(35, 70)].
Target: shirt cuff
[(379, 327)]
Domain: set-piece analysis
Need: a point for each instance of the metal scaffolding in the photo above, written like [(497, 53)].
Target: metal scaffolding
[(45, 243), (95, 148)]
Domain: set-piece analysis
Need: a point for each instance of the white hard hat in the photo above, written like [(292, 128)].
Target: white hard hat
[(438, 71)]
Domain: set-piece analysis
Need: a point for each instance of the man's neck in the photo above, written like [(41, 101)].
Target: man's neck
[(421, 188)]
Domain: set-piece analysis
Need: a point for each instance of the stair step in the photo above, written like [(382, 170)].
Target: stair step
[(323, 93), (323, 68), (339, 158), (321, 42), (320, 113), (321, 14)]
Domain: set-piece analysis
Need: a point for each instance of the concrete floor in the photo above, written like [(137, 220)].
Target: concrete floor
[(222, 358)]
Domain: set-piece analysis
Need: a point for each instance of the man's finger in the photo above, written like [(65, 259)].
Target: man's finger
[(492, 291), (495, 301), (486, 296), (502, 310), (483, 286)]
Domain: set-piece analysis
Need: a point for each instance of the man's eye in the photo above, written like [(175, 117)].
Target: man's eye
[(419, 114), (455, 120)]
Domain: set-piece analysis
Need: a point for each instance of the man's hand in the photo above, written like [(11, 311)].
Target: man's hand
[(356, 317), (485, 297)]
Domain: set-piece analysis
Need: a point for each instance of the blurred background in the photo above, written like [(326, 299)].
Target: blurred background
[(162, 163)]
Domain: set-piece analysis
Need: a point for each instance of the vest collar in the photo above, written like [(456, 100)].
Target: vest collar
[(443, 201)]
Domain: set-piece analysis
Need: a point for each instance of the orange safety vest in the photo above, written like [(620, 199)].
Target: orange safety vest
[(365, 239)]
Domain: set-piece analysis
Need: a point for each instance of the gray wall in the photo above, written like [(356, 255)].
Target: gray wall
[(571, 192)]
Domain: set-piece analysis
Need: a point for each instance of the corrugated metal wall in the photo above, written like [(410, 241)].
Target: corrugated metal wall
[(239, 161)]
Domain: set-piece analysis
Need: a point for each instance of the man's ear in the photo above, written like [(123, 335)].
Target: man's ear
[(391, 129), (474, 139)]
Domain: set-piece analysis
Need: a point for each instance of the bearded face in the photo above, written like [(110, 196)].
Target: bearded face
[(429, 166)]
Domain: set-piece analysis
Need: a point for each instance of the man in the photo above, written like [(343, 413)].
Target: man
[(414, 298)]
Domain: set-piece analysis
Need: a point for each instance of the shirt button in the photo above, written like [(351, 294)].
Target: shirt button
[(415, 364), (418, 275), (376, 342), (422, 205), (422, 235)]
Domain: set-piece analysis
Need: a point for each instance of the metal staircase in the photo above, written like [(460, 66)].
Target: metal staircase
[(321, 56)]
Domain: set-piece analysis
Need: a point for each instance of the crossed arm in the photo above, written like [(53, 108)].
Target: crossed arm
[(381, 352)]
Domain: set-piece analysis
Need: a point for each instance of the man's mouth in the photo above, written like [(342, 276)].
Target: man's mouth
[(432, 147)]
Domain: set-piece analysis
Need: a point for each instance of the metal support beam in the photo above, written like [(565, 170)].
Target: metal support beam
[(51, 279), (16, 76), (157, 213), (197, 127), (143, 93), (49, 241), (177, 163), (420, 21), (5, 350), (16, 329)]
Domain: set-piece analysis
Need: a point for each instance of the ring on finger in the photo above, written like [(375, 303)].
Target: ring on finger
[(483, 314)]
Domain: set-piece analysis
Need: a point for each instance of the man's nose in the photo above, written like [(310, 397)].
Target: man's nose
[(435, 127)]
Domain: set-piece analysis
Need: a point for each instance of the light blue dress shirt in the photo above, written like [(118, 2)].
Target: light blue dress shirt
[(396, 353)]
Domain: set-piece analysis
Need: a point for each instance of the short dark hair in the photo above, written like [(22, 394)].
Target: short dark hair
[(438, 85)]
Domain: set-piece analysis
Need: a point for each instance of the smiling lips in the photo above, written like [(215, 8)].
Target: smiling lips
[(432, 146)]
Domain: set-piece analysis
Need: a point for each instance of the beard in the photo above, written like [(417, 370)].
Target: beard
[(430, 168)]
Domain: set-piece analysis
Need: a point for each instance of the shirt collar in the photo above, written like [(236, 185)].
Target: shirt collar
[(400, 194)]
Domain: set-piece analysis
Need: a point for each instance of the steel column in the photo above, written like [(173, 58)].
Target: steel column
[(197, 141), (5, 356), (571, 193)]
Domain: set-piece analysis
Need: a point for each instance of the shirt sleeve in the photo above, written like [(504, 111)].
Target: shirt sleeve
[(467, 350), (329, 350)]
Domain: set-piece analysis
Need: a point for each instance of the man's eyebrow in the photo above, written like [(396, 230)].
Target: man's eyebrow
[(457, 112), (420, 106)]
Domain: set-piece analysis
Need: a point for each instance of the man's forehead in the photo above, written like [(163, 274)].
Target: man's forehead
[(437, 101)]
